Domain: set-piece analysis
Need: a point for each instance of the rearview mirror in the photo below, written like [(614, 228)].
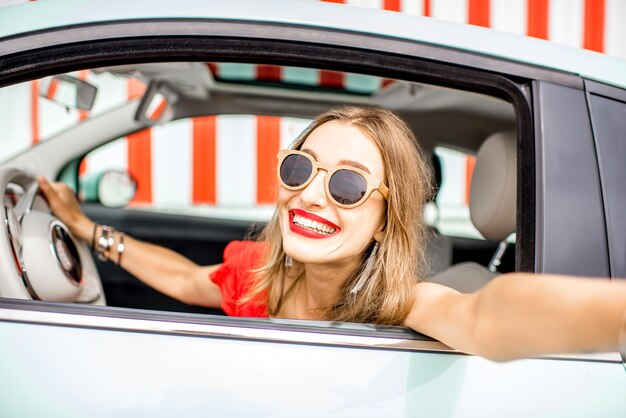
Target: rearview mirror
[(156, 105), (68, 91)]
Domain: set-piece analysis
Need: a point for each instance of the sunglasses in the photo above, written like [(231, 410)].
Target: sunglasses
[(346, 186)]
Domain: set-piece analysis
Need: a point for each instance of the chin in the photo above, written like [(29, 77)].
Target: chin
[(309, 251)]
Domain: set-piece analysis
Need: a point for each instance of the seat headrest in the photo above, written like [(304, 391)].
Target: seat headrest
[(493, 191)]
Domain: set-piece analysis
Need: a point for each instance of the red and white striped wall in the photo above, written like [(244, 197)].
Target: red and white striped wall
[(597, 25)]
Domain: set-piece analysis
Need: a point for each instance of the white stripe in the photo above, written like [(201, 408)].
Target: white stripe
[(412, 7), (236, 71), (236, 160), (171, 164), (113, 155), (15, 120), (615, 28), (54, 118), (361, 83), (509, 16), (290, 129), (449, 10), (452, 191), (565, 22), (369, 4), (297, 75)]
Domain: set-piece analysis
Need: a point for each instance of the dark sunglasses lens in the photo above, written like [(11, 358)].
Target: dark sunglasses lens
[(347, 187), (295, 170)]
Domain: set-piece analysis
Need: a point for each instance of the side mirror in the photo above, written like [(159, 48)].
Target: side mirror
[(112, 188), (156, 105), (68, 91)]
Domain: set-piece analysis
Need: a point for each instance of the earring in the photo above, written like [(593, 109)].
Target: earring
[(288, 261), (366, 271)]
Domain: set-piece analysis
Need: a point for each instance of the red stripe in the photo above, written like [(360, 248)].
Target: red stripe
[(426, 6), (136, 88), (213, 68), (393, 5), (82, 167), (140, 153), (83, 114), (268, 72), (594, 25), (158, 112), (268, 144), (332, 79), (204, 160), (334, 1), (478, 13), (140, 165), (52, 88), (537, 19), (34, 111), (470, 162)]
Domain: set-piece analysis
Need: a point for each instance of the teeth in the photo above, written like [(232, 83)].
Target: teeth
[(308, 223)]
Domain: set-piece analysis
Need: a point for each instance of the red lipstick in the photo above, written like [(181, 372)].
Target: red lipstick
[(308, 231)]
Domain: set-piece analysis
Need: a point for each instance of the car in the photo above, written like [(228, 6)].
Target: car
[(166, 118)]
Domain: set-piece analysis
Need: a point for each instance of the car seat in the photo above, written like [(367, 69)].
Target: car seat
[(493, 200)]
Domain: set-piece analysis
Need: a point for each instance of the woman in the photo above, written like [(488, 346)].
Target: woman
[(344, 245)]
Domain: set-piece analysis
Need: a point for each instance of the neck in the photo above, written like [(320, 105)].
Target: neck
[(319, 289)]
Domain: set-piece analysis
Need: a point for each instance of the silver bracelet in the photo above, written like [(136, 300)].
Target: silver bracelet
[(120, 248), (105, 242)]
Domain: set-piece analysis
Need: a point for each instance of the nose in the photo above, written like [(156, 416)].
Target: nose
[(314, 195)]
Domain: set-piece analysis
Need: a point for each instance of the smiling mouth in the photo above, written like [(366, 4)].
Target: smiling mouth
[(310, 225)]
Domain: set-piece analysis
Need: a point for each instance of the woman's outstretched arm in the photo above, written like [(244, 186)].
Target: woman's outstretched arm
[(158, 267), (521, 315)]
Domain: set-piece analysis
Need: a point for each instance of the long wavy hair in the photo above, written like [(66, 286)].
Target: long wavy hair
[(388, 293)]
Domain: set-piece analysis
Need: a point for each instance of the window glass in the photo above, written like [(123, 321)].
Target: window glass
[(451, 215), (609, 123), (223, 166), (216, 166)]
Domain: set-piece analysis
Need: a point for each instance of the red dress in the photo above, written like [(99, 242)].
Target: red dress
[(235, 279)]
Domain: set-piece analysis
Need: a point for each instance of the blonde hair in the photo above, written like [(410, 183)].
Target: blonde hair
[(387, 295)]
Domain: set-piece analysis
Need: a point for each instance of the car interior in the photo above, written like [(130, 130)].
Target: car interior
[(452, 126)]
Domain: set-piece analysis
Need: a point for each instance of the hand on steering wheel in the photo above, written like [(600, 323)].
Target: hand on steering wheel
[(64, 206)]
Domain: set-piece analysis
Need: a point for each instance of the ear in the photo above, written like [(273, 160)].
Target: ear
[(378, 235)]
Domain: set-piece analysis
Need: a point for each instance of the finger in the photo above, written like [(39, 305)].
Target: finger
[(42, 181), (45, 187)]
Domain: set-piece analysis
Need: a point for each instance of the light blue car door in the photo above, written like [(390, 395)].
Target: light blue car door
[(106, 362)]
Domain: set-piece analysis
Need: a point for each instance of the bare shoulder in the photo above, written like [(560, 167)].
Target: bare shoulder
[(428, 295)]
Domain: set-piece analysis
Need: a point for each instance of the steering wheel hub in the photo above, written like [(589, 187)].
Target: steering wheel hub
[(51, 258)]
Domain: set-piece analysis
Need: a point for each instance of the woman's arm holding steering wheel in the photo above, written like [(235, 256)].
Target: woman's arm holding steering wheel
[(158, 267)]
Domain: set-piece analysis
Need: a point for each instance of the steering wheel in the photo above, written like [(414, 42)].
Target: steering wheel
[(40, 259)]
